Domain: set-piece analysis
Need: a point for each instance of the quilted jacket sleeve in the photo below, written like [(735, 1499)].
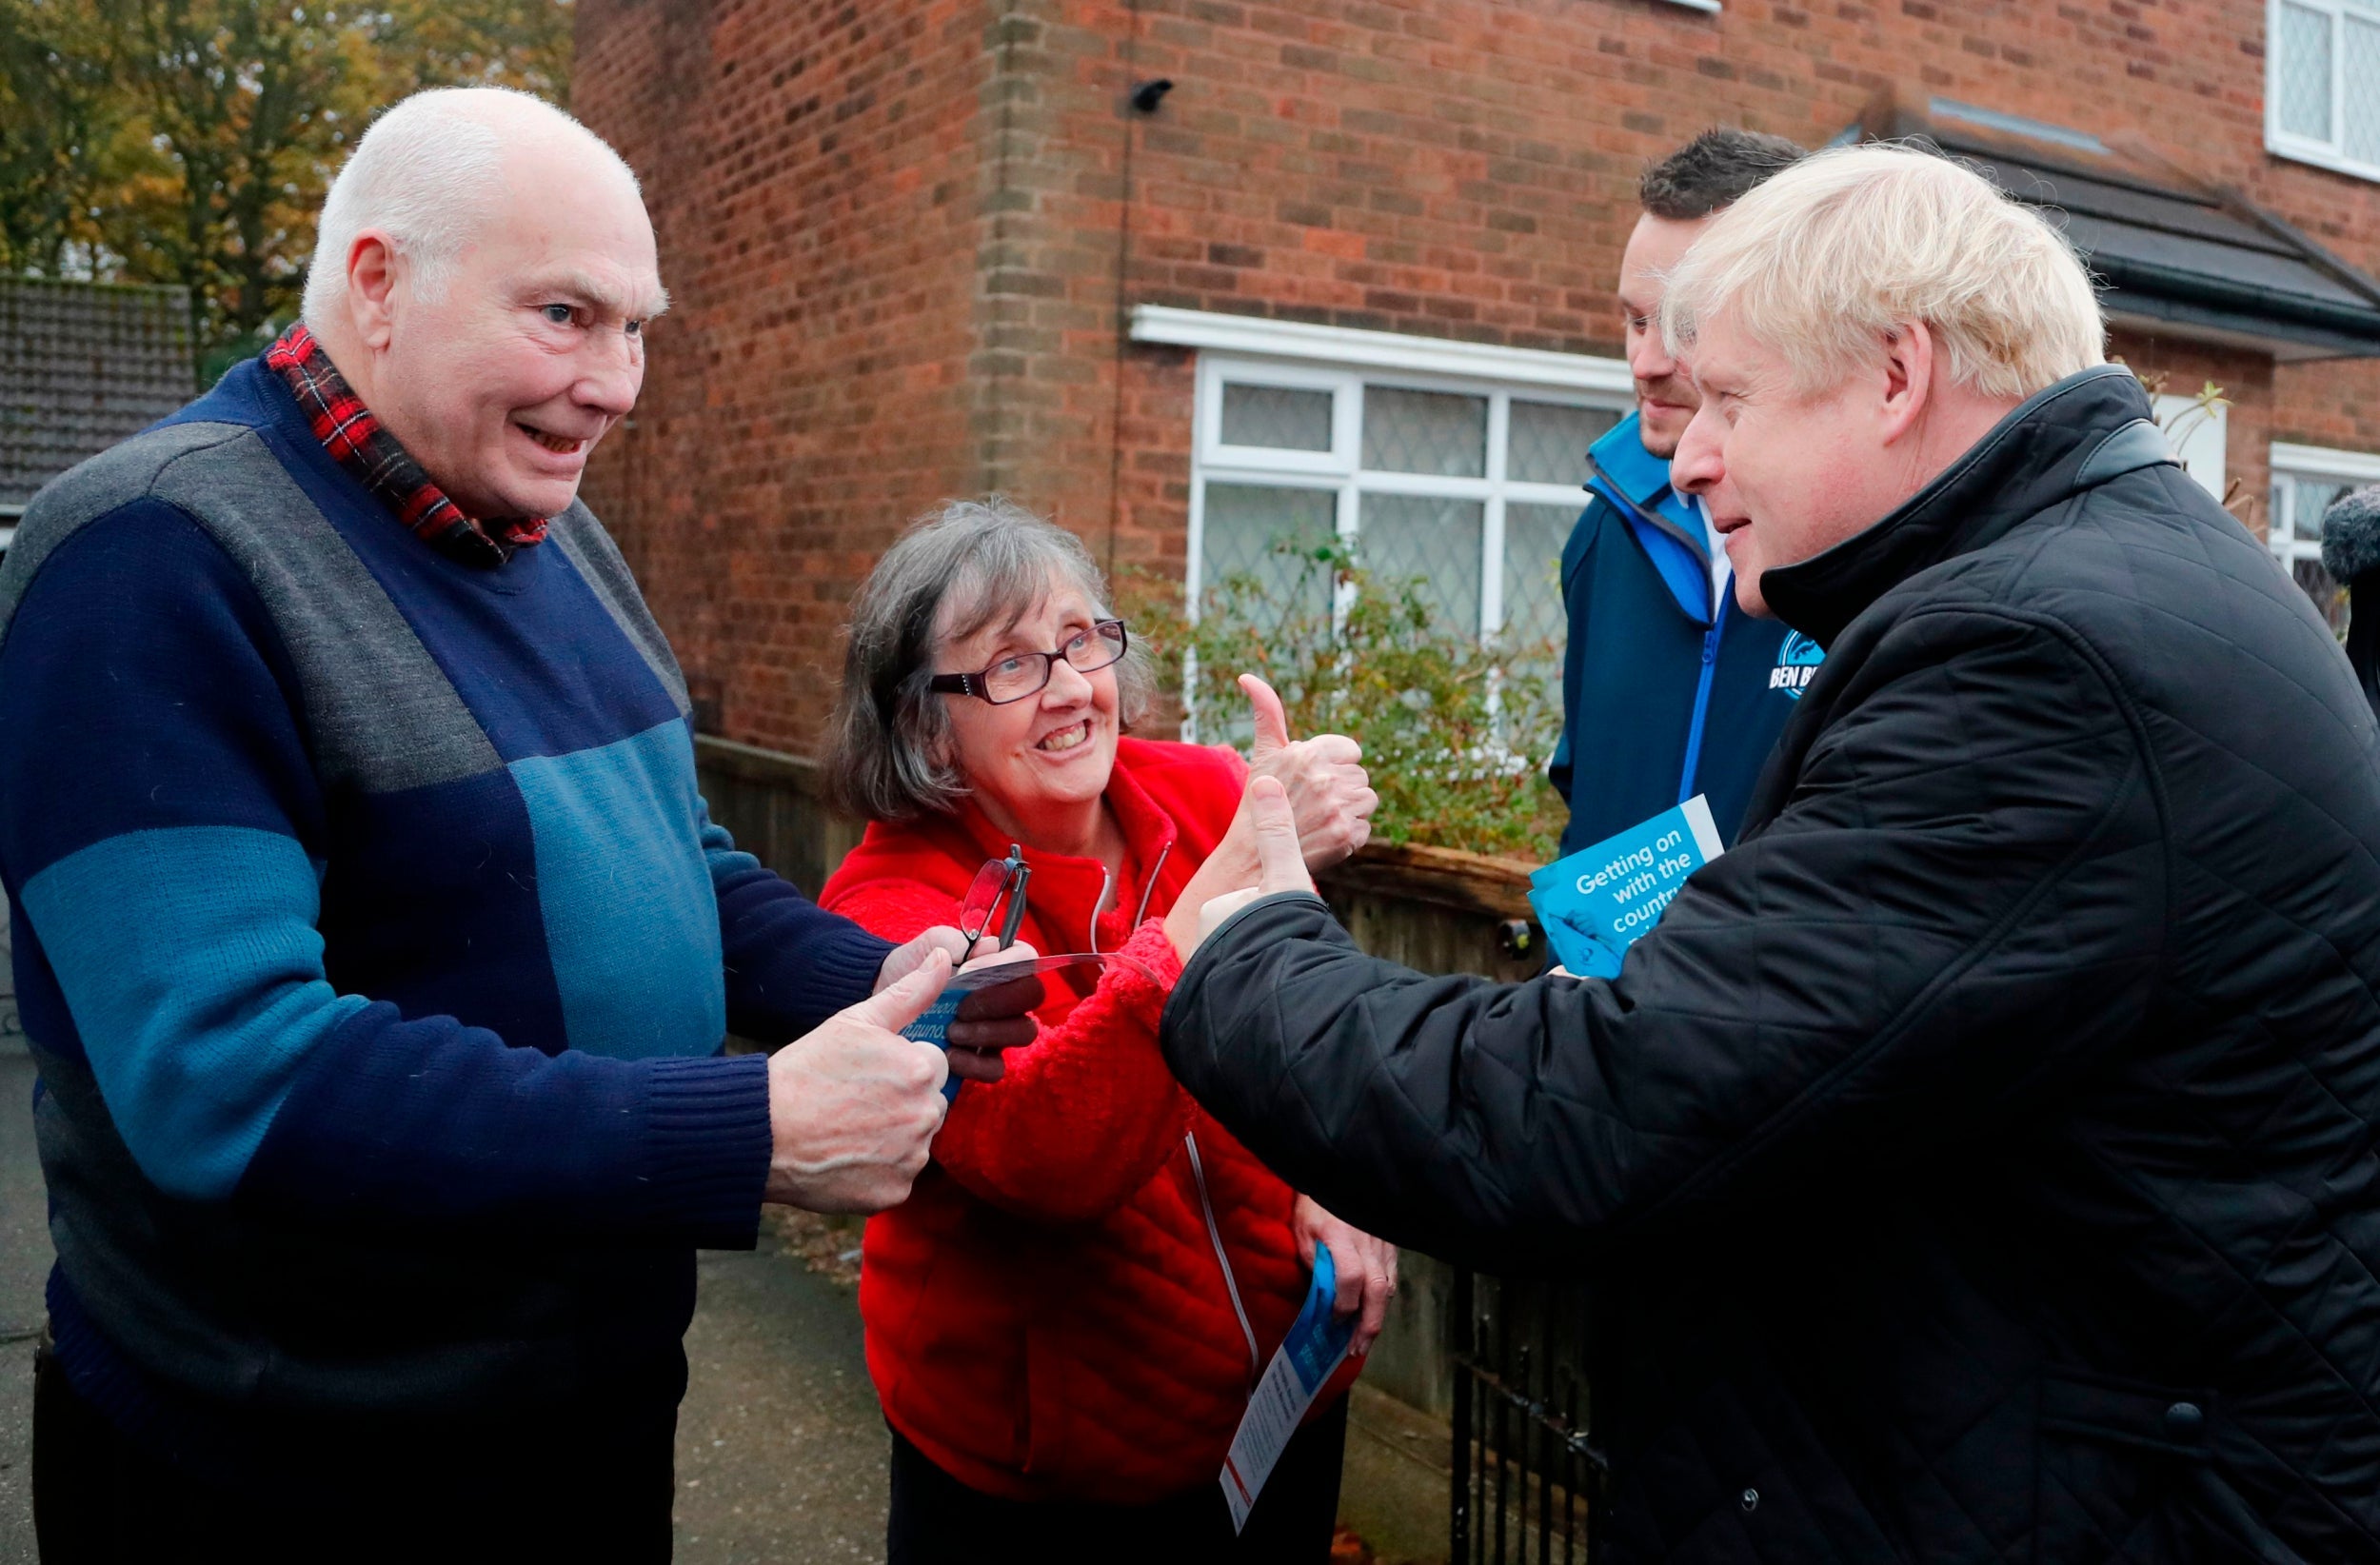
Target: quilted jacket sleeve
[(1962, 901), (1086, 1114)]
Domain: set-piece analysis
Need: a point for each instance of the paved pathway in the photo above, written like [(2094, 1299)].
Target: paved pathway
[(781, 1448)]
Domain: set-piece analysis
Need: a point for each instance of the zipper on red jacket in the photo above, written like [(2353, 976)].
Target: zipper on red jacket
[(1107, 883), (1231, 1283)]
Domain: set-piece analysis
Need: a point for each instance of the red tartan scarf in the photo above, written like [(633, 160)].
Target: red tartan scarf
[(358, 442)]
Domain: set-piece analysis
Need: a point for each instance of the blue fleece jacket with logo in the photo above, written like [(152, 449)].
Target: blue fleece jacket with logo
[(374, 943), (1665, 694)]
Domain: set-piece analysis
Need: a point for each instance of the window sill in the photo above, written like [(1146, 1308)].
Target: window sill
[(2321, 157), (2323, 461)]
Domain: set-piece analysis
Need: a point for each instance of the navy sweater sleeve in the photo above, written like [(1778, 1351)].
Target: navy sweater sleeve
[(791, 963), (163, 830)]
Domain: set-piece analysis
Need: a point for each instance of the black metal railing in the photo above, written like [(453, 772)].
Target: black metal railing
[(1524, 1462)]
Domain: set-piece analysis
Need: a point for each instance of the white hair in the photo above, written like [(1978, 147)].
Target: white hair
[(1835, 255), (425, 174)]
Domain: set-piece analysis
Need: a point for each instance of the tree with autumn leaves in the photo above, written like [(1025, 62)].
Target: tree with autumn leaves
[(191, 141)]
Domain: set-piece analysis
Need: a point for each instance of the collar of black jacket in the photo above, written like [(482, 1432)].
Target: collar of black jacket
[(2074, 435)]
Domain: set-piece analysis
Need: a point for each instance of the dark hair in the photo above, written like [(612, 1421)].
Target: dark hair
[(1715, 170), (955, 571)]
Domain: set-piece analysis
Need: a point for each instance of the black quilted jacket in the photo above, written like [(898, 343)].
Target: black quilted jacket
[(1979, 1157)]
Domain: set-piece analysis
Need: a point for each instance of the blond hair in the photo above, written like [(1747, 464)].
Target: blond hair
[(1838, 253)]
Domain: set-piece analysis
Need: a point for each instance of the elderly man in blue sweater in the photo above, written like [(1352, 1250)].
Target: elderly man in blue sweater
[(373, 942)]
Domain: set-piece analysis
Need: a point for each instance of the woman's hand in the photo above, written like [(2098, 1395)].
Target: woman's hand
[(1326, 807), (1328, 791), (989, 1021), (1367, 1268)]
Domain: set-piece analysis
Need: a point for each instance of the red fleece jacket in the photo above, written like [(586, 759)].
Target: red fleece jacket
[(1046, 1317)]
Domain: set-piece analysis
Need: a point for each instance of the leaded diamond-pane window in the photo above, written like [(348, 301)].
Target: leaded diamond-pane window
[(2302, 490), (1283, 417), (2301, 74), (1465, 485), (1424, 432), (1534, 536), (2359, 71), (1548, 441), (1409, 535), (1244, 523), (2322, 83)]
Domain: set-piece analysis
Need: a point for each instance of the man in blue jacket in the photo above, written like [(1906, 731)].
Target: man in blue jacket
[(1669, 689)]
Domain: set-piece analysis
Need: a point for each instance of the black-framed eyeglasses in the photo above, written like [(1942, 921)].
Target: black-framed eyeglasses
[(998, 893), (1022, 674)]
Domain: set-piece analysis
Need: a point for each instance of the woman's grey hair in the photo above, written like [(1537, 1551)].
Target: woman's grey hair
[(956, 569)]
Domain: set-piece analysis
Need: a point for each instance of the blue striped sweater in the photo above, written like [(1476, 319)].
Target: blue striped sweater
[(374, 945)]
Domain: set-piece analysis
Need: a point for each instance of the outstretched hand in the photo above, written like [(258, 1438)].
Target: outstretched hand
[(1271, 831)]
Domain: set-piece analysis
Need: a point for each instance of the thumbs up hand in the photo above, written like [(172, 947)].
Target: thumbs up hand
[(1272, 722), (853, 1105), (1330, 798), (1268, 830)]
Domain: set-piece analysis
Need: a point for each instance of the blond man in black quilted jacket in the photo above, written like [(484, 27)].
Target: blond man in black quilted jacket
[(1980, 1154)]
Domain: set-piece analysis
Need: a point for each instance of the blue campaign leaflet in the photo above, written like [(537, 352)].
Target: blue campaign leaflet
[(1317, 1344), (1596, 902), (934, 1026)]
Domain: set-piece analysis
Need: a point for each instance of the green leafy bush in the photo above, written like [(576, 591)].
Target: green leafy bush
[(1455, 734)]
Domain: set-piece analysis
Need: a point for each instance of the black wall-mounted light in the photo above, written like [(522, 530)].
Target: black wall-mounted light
[(1147, 95)]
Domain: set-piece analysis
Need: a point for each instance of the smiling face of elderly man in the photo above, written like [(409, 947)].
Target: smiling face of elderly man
[(1854, 327), (500, 352)]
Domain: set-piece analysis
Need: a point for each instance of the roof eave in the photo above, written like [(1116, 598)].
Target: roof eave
[(2288, 328), (2199, 306)]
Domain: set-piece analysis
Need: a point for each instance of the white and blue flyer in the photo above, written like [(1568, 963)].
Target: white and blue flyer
[(1598, 901), (934, 1026), (1316, 1342)]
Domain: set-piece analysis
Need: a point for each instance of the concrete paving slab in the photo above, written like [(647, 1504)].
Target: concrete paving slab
[(782, 1449)]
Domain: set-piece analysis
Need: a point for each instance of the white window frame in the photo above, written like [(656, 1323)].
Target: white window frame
[(2323, 464), (1252, 351), (2200, 437), (2325, 155)]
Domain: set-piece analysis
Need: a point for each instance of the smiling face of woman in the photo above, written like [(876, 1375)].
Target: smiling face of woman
[(1039, 766)]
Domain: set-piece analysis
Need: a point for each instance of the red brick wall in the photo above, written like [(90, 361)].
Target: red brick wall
[(896, 233), (1467, 169), (817, 187)]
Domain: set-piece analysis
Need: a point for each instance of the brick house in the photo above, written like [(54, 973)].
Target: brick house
[(1355, 268)]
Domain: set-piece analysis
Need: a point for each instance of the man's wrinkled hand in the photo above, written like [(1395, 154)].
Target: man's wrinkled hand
[(1329, 794), (853, 1105)]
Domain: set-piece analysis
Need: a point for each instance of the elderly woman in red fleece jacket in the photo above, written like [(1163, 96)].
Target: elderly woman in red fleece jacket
[(1065, 1320)]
